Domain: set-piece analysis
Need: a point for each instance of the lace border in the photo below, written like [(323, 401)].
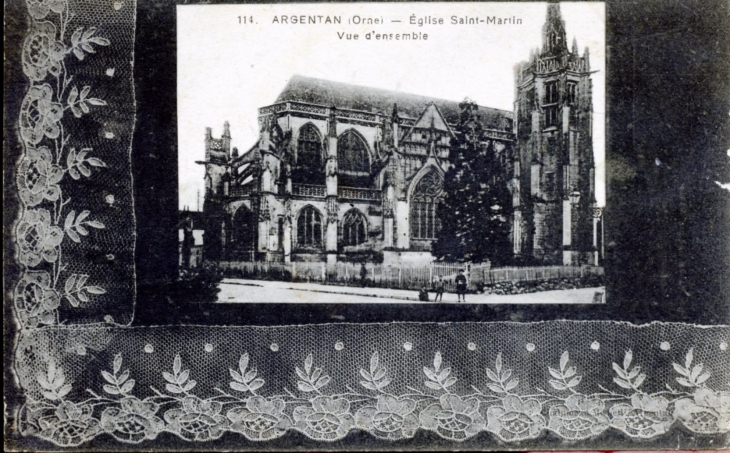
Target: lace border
[(311, 388), (189, 386)]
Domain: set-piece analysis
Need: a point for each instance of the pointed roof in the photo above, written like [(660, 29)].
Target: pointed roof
[(432, 118), (355, 97), (553, 31)]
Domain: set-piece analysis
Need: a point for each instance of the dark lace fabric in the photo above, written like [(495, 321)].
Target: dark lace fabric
[(521, 384), (479, 385), (75, 234)]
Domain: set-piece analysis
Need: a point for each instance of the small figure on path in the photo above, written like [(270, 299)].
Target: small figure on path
[(439, 290), (363, 275), (423, 295), (461, 286)]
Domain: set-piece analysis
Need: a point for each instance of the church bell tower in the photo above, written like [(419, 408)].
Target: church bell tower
[(553, 126)]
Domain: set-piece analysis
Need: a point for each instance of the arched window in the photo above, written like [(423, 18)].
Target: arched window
[(425, 199), (352, 153), (309, 228), (354, 228), (243, 229), (308, 169)]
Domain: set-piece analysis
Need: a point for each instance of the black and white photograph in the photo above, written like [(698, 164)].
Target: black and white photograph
[(366, 226), (385, 168)]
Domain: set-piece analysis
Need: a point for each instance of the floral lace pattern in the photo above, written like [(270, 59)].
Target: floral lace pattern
[(133, 401), (497, 405), (46, 222)]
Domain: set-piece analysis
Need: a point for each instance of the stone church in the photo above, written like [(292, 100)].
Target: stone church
[(342, 171)]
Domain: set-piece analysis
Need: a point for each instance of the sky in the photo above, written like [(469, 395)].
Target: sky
[(227, 69)]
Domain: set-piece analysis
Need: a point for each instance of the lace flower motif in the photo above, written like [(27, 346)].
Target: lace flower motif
[(646, 416), (326, 419), (453, 418), (35, 299), (579, 418), (42, 53), (39, 115), (39, 9), (69, 425), (261, 419), (38, 177), (37, 239), (392, 418), (133, 422), (516, 419), (198, 420), (708, 412)]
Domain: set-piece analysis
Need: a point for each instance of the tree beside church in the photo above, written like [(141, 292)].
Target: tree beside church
[(476, 210)]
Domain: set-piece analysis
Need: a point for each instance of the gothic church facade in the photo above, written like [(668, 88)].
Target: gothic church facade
[(342, 171)]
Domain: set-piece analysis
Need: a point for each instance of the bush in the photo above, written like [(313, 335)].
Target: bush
[(197, 285)]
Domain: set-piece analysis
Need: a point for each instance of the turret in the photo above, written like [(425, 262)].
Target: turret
[(552, 124), (265, 135), (553, 32), (226, 139), (208, 141), (395, 122)]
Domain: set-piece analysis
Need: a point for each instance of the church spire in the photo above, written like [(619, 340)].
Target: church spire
[(553, 32)]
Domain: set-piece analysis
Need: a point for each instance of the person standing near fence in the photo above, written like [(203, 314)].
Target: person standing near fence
[(363, 275), (439, 290), (460, 281)]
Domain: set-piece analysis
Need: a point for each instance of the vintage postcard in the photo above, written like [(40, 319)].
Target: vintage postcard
[(340, 170), (366, 226)]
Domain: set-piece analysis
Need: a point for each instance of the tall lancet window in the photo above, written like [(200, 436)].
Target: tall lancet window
[(352, 153), (424, 221), (309, 228), (244, 228), (309, 168), (354, 228)]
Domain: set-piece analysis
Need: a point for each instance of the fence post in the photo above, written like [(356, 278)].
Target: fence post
[(400, 277), (430, 274)]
